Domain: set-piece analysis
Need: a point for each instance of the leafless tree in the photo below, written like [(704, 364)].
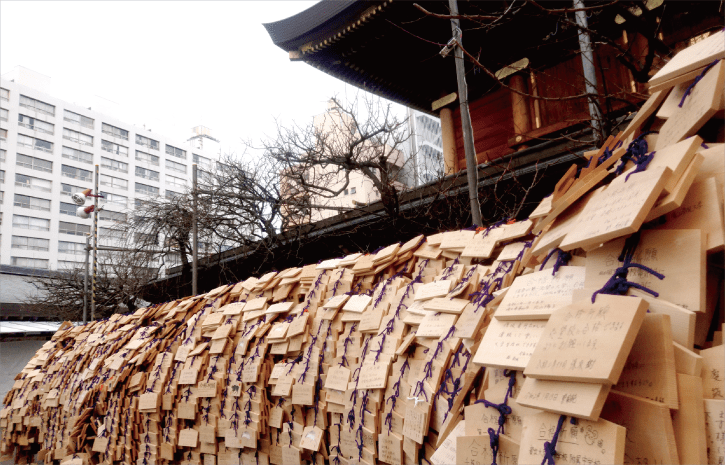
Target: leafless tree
[(119, 283), (317, 162)]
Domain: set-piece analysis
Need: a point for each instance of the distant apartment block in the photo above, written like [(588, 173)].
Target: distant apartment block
[(48, 149)]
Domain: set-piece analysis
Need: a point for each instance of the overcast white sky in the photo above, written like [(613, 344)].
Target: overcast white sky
[(169, 64)]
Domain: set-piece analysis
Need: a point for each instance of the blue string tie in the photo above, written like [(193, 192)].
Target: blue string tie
[(561, 260), (697, 79), (617, 284)]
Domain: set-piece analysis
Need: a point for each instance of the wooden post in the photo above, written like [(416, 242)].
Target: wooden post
[(195, 233), (468, 140), (448, 139), (520, 107)]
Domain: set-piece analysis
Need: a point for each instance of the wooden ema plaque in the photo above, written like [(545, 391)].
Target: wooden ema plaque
[(509, 344), (650, 368), (692, 58), (689, 421), (677, 254), (704, 100), (618, 210), (536, 295), (581, 400), (701, 210), (446, 453), (588, 342), (650, 436), (584, 442)]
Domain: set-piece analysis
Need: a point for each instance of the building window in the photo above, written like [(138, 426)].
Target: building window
[(71, 248), (147, 157), (29, 262), (79, 137), (107, 215), (37, 105), (146, 142), (3, 152), (114, 131), (2, 176), (146, 190), (174, 152), (147, 174), (146, 239), (352, 190), (29, 222), (84, 121), (30, 243), (73, 229), (67, 189), (34, 163), (33, 203), (3, 134), (68, 265), (68, 208), (4, 114), (171, 195), (114, 148), (173, 166), (114, 165), (4, 94), (174, 181), (111, 234), (115, 198), (77, 155), (35, 124), (30, 182), (202, 162), (111, 181), (76, 173), (36, 144), (2, 198)]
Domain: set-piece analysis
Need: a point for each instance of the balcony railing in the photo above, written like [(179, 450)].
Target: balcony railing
[(31, 107), (35, 128), (85, 125), (79, 141), (111, 133), (30, 186)]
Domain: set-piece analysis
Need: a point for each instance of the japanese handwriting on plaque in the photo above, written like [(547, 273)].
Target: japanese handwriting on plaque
[(509, 344), (537, 295), (475, 450), (583, 400), (715, 428), (588, 342), (583, 442), (617, 210)]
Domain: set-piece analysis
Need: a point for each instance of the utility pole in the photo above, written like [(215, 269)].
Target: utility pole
[(413, 125), (195, 234), (590, 74), (85, 280), (468, 145), (95, 249)]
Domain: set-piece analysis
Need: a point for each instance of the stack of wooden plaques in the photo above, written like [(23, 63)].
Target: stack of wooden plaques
[(587, 333)]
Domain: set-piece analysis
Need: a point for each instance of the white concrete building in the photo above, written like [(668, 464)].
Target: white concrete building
[(48, 149), (360, 189), (426, 146)]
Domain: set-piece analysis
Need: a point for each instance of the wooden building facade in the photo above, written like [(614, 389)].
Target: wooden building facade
[(392, 49)]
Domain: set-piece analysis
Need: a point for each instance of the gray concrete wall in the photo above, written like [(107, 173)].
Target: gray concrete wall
[(14, 355)]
